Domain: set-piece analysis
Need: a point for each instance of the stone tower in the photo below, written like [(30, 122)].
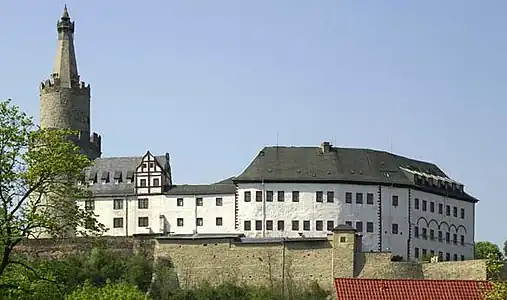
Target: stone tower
[(64, 99)]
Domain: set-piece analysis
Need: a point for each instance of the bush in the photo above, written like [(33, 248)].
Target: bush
[(109, 291)]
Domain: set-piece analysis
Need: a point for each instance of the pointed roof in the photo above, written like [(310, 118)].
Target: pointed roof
[(414, 289), (65, 65)]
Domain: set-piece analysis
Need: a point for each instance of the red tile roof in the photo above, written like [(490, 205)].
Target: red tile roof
[(409, 289)]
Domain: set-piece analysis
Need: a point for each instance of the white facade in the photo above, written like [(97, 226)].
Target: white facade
[(165, 214), (384, 220), (442, 226)]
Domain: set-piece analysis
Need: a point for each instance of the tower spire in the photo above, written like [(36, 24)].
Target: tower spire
[(65, 65)]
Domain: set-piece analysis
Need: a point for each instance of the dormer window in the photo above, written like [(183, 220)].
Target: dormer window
[(152, 165), (460, 188), (453, 186), (440, 183), (130, 176), (117, 177), (93, 177), (430, 181), (105, 177), (143, 167)]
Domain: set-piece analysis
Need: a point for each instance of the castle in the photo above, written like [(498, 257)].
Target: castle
[(407, 207)]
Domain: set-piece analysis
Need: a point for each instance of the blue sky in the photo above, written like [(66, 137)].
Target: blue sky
[(212, 82)]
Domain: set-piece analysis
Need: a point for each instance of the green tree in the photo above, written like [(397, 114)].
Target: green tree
[(484, 250), (39, 169), (122, 291), (498, 287)]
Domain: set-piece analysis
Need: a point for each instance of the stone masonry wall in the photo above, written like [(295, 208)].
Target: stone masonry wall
[(216, 261)]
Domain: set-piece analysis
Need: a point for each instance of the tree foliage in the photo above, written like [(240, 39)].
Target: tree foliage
[(494, 267), (485, 249), (39, 169)]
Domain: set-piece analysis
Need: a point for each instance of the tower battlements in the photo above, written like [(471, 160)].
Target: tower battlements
[(54, 84)]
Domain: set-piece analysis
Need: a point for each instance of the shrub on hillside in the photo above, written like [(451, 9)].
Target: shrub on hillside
[(120, 290)]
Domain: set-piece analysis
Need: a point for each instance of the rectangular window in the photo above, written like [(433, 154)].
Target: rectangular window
[(143, 182), (348, 197), (319, 225), (269, 196), (440, 237), (219, 221), (462, 240), (425, 233), (218, 202), (432, 206), (118, 222), (306, 225), (432, 234), (179, 222), (440, 255), (416, 203), (455, 257), (89, 204), (142, 222), (247, 225), (330, 225), (199, 222), (369, 198), (319, 196), (269, 224), (198, 201), (416, 232), (281, 225), (395, 229), (416, 252), (118, 204), (348, 223), (462, 213), (295, 225), (424, 205), (142, 203), (295, 196), (395, 200), (424, 251), (281, 196), (462, 257), (330, 196), (447, 237), (156, 182), (455, 238), (448, 210), (258, 225), (369, 227), (440, 208), (258, 196), (248, 196), (179, 201), (359, 226), (455, 212), (448, 256), (359, 198)]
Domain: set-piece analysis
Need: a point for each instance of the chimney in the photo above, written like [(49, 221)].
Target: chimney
[(326, 147)]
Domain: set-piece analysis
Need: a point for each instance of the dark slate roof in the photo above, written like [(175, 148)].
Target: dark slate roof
[(114, 167), (202, 189), (345, 165)]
